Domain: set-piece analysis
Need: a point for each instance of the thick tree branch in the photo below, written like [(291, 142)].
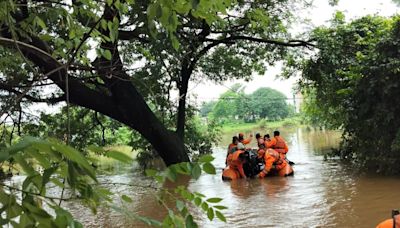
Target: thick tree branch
[(133, 35), (51, 100), (80, 94), (289, 43)]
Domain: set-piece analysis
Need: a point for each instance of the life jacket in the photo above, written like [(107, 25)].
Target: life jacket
[(236, 154), (279, 162), (276, 155), (232, 148), (280, 145), (235, 163)]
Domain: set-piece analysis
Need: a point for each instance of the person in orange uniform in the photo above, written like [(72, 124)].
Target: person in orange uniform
[(394, 222), (232, 147), (277, 143), (243, 140), (267, 138), (235, 162), (273, 160), (259, 139)]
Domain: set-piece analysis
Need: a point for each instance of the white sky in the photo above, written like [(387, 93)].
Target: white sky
[(319, 15)]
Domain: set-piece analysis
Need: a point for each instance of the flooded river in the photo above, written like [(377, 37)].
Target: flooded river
[(320, 194)]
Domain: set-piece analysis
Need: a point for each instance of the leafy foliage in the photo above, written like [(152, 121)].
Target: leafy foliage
[(352, 83), (60, 166), (186, 199), (86, 128), (52, 164)]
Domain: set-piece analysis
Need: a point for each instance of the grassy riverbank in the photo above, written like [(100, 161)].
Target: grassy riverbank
[(261, 124)]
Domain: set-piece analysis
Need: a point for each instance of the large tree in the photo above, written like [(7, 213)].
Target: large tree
[(53, 41), (352, 83), (269, 103)]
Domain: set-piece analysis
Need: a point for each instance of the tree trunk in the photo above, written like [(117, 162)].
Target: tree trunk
[(181, 119), (124, 104), (183, 88), (136, 113)]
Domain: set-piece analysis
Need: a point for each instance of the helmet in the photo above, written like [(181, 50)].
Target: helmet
[(241, 134), (240, 146)]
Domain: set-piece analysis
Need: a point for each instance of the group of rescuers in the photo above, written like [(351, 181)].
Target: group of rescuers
[(271, 151)]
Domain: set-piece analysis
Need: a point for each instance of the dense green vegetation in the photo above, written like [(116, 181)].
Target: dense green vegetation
[(115, 64), (352, 83), (123, 59), (235, 106)]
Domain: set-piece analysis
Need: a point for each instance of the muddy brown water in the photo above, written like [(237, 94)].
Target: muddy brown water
[(320, 194)]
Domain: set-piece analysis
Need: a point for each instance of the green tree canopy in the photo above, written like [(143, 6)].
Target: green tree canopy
[(352, 83), (262, 103), (269, 103), (122, 58)]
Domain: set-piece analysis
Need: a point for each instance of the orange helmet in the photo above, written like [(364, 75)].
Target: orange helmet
[(241, 134)]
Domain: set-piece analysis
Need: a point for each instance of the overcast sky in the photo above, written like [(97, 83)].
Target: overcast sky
[(319, 15)]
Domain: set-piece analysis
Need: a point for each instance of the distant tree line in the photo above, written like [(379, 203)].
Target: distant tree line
[(235, 104)]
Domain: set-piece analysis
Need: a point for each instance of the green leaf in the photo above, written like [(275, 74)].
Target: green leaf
[(196, 171), (107, 54), (206, 158), (180, 205), (175, 42), (77, 157), (24, 165), (220, 207), (220, 216), (36, 210), (197, 201), (126, 198), (171, 174), (57, 182), (210, 214), (119, 156), (187, 195), (199, 194), (209, 168), (40, 22), (46, 176), (189, 222), (43, 160), (13, 211), (214, 200), (204, 206), (26, 221)]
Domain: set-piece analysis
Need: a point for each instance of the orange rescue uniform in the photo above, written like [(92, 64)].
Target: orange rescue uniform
[(235, 166), (277, 143), (230, 147), (246, 141), (273, 160)]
